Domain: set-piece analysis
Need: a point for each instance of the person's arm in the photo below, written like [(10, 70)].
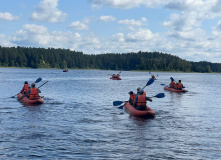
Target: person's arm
[(38, 90), (22, 89), (149, 99), (135, 101)]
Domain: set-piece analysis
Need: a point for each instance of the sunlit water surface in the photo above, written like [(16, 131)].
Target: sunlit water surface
[(78, 119)]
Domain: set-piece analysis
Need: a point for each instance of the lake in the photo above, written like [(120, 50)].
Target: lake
[(78, 120)]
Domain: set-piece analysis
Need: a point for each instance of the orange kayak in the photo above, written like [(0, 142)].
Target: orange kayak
[(115, 78), (149, 113), (173, 89), (29, 101)]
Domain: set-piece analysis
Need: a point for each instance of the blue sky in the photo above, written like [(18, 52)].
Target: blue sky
[(189, 29)]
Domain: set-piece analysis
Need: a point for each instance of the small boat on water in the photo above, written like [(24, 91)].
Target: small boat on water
[(173, 89), (115, 78), (149, 113), (26, 100)]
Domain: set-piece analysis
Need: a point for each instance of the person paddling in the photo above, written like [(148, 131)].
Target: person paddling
[(141, 100), (25, 88), (132, 97), (33, 92), (172, 83), (153, 77), (180, 85), (138, 91), (113, 76)]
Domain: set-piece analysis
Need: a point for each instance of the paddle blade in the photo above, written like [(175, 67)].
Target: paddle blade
[(151, 80), (160, 95), (162, 84), (38, 80), (121, 107), (116, 103)]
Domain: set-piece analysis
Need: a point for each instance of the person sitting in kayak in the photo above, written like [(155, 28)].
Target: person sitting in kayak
[(33, 93), (118, 76), (153, 77), (180, 85), (114, 76), (172, 83), (175, 86), (132, 97), (25, 88), (141, 100), (138, 91)]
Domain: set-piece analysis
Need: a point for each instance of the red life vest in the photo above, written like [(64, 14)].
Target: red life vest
[(25, 88), (132, 98), (180, 86), (34, 93), (141, 101), (172, 84)]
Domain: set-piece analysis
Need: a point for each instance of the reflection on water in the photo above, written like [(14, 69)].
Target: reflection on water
[(78, 120)]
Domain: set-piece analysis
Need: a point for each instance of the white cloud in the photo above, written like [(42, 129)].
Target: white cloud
[(5, 41), (119, 37), (47, 11), (106, 18), (140, 35), (8, 17), (37, 35), (218, 26), (126, 4), (79, 25), (133, 22), (31, 34)]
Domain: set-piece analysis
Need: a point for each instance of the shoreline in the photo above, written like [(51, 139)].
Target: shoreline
[(105, 70)]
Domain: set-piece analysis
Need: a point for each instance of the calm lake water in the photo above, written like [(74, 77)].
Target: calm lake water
[(78, 119)]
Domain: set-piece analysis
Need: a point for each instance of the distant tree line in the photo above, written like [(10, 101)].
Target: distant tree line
[(65, 58)]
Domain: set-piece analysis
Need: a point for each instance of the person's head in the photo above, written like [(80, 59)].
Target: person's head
[(131, 92), (138, 89), (33, 85), (141, 91), (26, 82), (179, 81)]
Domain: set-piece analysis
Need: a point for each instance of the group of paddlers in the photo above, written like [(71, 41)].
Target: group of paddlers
[(30, 91), (176, 85), (115, 76), (139, 100)]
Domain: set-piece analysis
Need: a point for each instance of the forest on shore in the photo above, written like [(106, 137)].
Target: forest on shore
[(65, 58)]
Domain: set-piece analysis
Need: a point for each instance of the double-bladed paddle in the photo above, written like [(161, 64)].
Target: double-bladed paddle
[(151, 80), (27, 94), (159, 95), (37, 80)]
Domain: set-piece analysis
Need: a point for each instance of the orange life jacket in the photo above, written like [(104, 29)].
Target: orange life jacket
[(132, 98), (141, 101), (172, 84), (180, 86), (34, 93), (25, 88), (118, 76)]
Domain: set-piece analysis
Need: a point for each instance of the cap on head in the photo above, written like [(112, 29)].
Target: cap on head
[(131, 92), (26, 82), (138, 89), (33, 84)]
